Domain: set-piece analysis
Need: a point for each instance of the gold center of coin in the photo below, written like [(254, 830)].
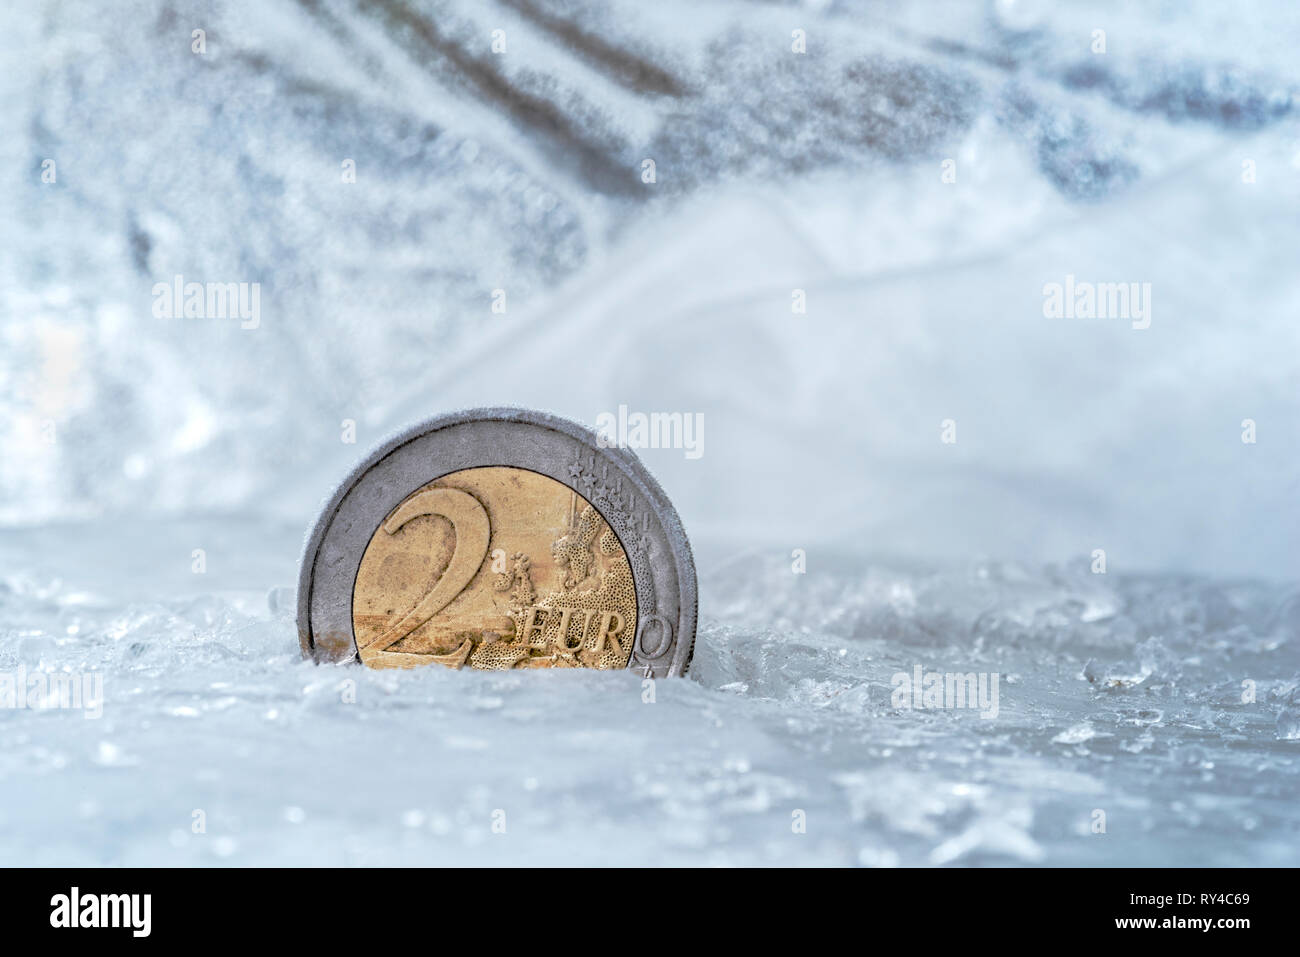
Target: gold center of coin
[(498, 567)]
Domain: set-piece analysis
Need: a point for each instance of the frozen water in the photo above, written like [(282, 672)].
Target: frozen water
[(789, 708), (1160, 697)]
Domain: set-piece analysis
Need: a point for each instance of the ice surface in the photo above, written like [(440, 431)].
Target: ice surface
[(1164, 693), (1123, 695)]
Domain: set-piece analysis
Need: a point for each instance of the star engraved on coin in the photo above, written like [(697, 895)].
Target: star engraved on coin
[(494, 568), (499, 538)]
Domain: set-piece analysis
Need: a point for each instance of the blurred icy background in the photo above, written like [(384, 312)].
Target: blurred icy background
[(129, 441)]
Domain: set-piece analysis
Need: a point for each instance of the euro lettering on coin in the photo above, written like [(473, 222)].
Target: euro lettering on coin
[(497, 539)]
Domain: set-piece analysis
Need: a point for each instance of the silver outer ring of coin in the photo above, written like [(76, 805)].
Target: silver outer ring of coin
[(612, 479)]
